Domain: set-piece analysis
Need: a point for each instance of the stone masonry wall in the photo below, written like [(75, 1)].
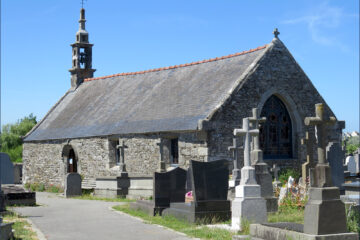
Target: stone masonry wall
[(44, 161), (277, 73)]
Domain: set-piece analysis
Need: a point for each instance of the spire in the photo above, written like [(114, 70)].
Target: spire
[(81, 54), (82, 19)]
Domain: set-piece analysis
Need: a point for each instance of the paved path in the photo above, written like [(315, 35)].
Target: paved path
[(60, 218)]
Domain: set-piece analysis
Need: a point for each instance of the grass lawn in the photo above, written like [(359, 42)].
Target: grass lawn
[(200, 231), (22, 229), (286, 214), (90, 197), (191, 230)]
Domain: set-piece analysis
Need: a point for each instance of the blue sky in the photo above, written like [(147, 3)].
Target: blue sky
[(323, 36)]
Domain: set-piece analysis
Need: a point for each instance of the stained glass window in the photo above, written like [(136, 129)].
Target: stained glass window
[(276, 132)]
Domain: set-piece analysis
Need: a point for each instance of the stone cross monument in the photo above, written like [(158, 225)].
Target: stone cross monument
[(275, 169), (324, 212), (310, 163), (236, 174), (161, 158), (248, 203), (122, 165), (263, 177)]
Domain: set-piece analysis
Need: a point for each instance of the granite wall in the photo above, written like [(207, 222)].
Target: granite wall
[(277, 73), (46, 162)]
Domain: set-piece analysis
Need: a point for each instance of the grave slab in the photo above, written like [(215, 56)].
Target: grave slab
[(112, 187), (6, 231), (168, 187), (17, 195)]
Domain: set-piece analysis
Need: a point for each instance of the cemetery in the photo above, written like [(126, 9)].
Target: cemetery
[(251, 152)]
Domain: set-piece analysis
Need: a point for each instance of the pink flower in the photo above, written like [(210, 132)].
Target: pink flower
[(189, 194)]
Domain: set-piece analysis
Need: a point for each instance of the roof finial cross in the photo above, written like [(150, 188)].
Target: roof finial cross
[(82, 3), (276, 32)]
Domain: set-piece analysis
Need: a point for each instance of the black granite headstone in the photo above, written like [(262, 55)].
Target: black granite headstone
[(210, 180), (168, 187), (209, 183)]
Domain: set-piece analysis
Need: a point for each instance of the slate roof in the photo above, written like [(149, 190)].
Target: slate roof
[(174, 98)]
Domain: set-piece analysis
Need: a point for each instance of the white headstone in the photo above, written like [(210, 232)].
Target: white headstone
[(248, 203), (351, 164), (290, 182)]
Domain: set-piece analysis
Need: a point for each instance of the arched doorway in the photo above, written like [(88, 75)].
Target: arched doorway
[(72, 162), (276, 132), (70, 158)]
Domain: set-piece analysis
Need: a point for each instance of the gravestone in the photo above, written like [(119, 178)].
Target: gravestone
[(209, 183), (308, 141), (324, 216), (357, 161), (168, 187), (351, 164), (335, 156), (318, 220), (236, 174), (18, 173), (7, 169), (263, 177), (248, 203), (72, 185), (275, 169)]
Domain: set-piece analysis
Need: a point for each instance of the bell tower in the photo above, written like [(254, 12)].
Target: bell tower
[(81, 55)]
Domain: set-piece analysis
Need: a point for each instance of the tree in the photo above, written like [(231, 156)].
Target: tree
[(352, 143), (10, 140)]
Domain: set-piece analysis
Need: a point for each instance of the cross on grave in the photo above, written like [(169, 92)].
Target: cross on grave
[(320, 130), (247, 133), (161, 158), (255, 120), (322, 172), (275, 169), (122, 147), (310, 163), (276, 33), (235, 149)]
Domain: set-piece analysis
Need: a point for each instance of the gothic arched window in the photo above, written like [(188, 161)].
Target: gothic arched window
[(276, 132)]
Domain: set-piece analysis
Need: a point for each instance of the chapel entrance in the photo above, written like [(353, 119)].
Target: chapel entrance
[(276, 132), (72, 162), (70, 159)]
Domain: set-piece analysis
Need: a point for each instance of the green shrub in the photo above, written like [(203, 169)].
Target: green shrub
[(353, 220), (53, 189), (34, 187), (41, 187), (287, 172)]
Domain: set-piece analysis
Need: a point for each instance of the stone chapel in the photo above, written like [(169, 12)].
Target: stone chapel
[(133, 121)]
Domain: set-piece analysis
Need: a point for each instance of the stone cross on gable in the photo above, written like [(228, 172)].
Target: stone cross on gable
[(161, 158), (122, 147), (276, 32), (320, 129), (235, 149), (247, 133)]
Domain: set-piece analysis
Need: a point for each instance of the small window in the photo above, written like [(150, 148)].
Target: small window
[(74, 63), (174, 157), (77, 38), (117, 153)]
